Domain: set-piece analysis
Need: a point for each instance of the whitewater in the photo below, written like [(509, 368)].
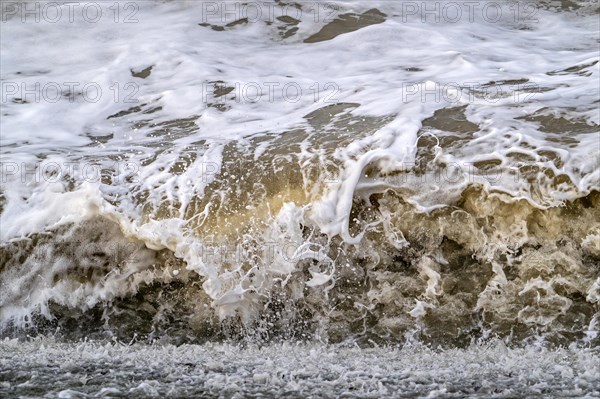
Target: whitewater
[(300, 199)]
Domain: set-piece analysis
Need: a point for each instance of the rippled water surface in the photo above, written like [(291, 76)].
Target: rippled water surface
[(293, 371)]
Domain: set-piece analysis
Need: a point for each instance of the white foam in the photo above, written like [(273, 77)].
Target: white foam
[(386, 68), (295, 369)]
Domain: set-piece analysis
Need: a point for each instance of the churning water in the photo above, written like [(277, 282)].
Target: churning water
[(300, 198)]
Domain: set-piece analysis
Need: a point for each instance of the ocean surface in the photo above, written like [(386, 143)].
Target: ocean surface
[(300, 199)]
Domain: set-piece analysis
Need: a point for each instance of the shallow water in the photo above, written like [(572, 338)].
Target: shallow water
[(79, 370)]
